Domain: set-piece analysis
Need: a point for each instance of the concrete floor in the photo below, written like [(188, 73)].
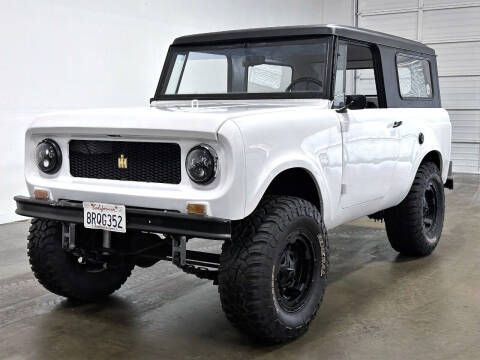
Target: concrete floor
[(378, 305)]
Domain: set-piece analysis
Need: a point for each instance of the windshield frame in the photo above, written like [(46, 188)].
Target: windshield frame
[(173, 49)]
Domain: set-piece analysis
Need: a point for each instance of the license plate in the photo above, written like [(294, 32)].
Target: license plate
[(104, 217)]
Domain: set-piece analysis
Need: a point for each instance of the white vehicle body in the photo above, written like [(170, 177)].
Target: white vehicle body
[(359, 161), (260, 138)]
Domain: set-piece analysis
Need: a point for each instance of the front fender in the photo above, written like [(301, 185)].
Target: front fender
[(306, 138), (272, 170)]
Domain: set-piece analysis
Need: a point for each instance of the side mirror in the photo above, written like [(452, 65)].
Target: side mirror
[(354, 102)]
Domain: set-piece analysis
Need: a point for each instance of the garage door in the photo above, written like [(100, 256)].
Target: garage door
[(452, 28)]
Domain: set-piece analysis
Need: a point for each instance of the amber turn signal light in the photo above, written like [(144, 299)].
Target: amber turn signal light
[(41, 194), (196, 209)]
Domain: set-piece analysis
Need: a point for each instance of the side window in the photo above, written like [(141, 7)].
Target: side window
[(414, 79), (361, 74), (361, 82), (355, 74), (339, 94), (268, 78)]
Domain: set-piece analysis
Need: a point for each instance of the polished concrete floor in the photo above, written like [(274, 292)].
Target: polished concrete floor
[(378, 305)]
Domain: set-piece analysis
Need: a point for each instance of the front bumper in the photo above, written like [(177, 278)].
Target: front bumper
[(153, 220)]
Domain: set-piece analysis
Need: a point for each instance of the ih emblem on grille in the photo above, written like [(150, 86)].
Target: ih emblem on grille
[(122, 162)]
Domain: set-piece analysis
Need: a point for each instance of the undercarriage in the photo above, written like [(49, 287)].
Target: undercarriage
[(99, 250)]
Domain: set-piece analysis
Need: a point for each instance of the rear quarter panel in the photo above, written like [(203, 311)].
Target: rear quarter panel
[(434, 124)]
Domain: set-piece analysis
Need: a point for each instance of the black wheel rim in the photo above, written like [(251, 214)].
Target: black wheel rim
[(295, 272), (430, 208)]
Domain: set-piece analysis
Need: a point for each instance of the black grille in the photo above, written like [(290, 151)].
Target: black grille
[(146, 162)]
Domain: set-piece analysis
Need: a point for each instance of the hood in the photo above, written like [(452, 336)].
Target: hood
[(200, 119)]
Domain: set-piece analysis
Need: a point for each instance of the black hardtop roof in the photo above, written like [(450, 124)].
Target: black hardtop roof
[(304, 31)]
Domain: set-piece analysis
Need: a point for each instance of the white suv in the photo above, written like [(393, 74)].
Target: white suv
[(261, 138)]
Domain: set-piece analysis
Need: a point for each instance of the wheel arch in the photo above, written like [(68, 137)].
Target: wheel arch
[(433, 156), (298, 182)]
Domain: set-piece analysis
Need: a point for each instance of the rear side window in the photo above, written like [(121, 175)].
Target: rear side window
[(414, 79)]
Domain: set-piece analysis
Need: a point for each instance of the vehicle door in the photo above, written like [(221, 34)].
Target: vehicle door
[(371, 143)]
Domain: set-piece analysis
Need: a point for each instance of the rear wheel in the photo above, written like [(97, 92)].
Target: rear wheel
[(415, 225), (60, 271), (273, 273)]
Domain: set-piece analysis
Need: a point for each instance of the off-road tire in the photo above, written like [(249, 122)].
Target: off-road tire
[(59, 271), (247, 275), (404, 223)]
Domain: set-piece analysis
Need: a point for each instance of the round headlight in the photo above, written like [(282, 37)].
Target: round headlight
[(49, 156), (201, 164)]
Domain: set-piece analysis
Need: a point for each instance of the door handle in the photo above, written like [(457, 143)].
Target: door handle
[(397, 124)]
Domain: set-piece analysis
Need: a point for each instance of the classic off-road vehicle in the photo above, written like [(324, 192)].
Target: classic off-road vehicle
[(260, 138)]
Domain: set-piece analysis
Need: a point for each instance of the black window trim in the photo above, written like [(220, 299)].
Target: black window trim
[(418, 57)]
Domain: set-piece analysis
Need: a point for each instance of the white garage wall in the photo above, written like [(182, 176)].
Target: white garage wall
[(62, 54), (340, 12)]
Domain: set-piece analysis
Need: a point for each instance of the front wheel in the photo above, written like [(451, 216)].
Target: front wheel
[(273, 273), (61, 273), (415, 225)]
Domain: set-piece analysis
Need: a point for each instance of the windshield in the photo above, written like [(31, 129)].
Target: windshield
[(280, 67)]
